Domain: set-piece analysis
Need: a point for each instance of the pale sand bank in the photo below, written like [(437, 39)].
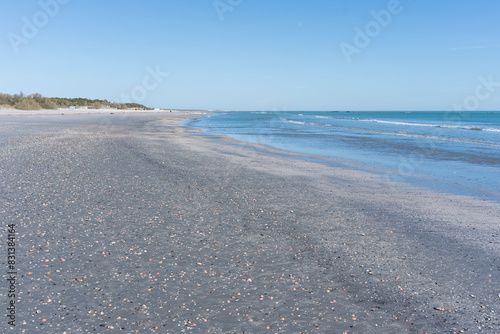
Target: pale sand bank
[(77, 111)]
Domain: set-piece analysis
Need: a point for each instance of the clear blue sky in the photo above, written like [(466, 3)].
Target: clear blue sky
[(264, 54)]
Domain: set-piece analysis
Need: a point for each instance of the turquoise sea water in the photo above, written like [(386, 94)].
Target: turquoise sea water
[(447, 151)]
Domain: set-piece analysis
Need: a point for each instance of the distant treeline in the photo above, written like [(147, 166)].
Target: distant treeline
[(37, 101)]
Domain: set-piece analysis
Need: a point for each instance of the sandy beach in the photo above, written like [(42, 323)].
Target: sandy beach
[(129, 222), (83, 111)]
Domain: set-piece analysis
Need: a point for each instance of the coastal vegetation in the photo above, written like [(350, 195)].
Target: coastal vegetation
[(37, 101)]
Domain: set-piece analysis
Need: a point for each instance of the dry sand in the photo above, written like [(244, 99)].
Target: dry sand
[(78, 111), (132, 223)]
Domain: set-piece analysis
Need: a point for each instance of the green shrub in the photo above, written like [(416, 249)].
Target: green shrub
[(27, 103), (36, 101), (6, 99), (46, 103)]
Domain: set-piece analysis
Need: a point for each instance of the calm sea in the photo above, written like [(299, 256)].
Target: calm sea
[(447, 151)]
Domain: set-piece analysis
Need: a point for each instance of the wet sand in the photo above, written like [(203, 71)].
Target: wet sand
[(132, 223)]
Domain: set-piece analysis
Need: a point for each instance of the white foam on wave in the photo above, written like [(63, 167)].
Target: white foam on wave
[(298, 122), (490, 129), (400, 134), (446, 126), (448, 139)]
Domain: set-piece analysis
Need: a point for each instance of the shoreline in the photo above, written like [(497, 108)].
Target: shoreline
[(429, 175), (337, 169), (239, 235)]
